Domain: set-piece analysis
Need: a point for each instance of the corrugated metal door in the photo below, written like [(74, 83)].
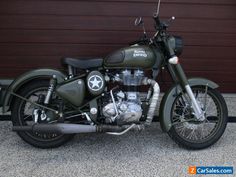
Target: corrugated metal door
[(38, 33)]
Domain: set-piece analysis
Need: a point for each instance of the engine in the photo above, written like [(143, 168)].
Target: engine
[(125, 106)]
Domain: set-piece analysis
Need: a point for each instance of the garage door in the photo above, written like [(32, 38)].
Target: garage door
[(38, 33)]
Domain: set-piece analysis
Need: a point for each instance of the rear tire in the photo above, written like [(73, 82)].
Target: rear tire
[(197, 140), (18, 110)]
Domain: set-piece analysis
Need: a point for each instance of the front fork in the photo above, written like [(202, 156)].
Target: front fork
[(178, 75)]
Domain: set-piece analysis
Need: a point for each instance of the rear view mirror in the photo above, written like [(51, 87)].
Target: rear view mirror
[(138, 21)]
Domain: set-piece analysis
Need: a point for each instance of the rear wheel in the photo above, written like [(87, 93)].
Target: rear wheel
[(191, 133), (22, 115)]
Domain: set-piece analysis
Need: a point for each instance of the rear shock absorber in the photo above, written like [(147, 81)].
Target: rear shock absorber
[(53, 83)]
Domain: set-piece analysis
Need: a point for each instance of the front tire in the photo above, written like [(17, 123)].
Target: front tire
[(190, 133), (22, 115)]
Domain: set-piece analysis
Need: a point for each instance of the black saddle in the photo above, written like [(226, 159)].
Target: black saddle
[(83, 63)]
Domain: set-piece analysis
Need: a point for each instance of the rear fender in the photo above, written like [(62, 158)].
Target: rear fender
[(26, 78), (169, 98)]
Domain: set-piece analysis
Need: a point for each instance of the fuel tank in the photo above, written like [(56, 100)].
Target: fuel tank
[(133, 57)]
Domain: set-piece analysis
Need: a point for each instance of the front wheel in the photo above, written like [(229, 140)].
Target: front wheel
[(191, 133)]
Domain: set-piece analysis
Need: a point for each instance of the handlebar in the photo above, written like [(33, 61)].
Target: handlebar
[(161, 25), (160, 35)]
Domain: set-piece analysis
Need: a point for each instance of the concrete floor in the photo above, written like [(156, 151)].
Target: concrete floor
[(147, 154), (231, 104)]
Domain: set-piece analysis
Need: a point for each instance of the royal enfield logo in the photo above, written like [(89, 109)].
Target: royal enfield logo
[(95, 83), (140, 53)]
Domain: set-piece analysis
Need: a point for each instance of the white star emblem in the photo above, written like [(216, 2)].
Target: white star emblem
[(95, 83)]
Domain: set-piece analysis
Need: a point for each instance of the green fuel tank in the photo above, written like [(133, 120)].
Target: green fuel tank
[(133, 57)]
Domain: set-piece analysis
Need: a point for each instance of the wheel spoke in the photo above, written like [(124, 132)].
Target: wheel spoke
[(187, 126), (182, 130), (27, 117)]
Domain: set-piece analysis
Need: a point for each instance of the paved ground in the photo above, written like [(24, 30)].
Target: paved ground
[(230, 100), (150, 153)]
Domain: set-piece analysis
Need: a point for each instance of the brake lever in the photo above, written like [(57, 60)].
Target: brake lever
[(169, 21), (166, 24), (172, 19)]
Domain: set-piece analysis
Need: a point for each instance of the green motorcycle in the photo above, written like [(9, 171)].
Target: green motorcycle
[(114, 95)]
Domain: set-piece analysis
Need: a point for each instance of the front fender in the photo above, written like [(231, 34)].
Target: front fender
[(169, 97), (27, 77)]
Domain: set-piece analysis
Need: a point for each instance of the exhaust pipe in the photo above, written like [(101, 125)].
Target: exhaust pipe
[(154, 99), (60, 128), (63, 128)]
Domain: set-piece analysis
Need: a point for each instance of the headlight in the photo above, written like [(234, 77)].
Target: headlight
[(177, 44)]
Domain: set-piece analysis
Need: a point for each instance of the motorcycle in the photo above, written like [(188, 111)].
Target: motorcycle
[(105, 95)]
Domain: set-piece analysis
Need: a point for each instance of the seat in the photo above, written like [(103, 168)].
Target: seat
[(83, 63)]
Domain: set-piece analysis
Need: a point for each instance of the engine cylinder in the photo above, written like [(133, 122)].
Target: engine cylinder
[(130, 77)]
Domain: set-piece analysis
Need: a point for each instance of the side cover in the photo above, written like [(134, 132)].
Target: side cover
[(26, 78), (73, 91), (169, 98)]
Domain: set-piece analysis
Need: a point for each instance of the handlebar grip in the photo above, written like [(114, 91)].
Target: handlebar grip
[(157, 19), (158, 22)]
